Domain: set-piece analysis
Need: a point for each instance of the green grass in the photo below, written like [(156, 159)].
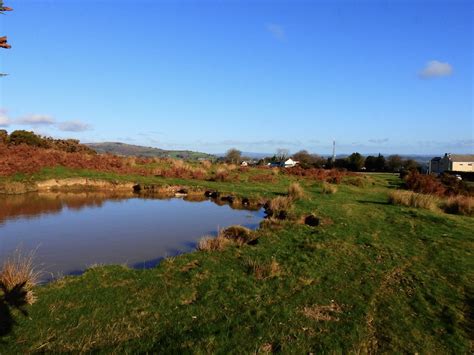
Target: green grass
[(403, 278)]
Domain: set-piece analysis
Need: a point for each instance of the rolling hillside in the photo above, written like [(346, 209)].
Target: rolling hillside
[(137, 150)]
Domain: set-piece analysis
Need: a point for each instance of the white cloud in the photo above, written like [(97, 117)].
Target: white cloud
[(36, 120), (277, 31), (73, 126), (4, 119), (436, 69)]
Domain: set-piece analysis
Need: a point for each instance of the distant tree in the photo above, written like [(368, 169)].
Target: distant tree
[(340, 163), (370, 163), (355, 161), (26, 137), (282, 154), (394, 162), (308, 160), (3, 136), (380, 163), (233, 156)]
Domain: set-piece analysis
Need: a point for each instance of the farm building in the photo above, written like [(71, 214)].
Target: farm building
[(452, 162)]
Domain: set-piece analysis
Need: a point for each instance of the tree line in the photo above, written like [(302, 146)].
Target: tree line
[(354, 162)]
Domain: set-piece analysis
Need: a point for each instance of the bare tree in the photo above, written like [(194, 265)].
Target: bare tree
[(233, 156), (282, 154)]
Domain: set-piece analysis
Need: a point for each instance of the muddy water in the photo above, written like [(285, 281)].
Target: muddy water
[(72, 231)]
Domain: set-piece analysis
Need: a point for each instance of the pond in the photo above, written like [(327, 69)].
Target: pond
[(73, 231)]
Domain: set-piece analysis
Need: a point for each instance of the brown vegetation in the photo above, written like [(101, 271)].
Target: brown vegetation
[(295, 191), (19, 269), (323, 313), (463, 205), (413, 199), (279, 207), (263, 271), (328, 188), (333, 175), (425, 184)]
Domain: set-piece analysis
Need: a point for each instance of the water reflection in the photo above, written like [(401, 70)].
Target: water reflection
[(72, 231)]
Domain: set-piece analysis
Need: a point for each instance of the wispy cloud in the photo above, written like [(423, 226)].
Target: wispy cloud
[(436, 69), (4, 119), (73, 126), (36, 120), (277, 31), (379, 140)]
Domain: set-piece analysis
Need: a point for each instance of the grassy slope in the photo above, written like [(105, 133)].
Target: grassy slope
[(402, 276)]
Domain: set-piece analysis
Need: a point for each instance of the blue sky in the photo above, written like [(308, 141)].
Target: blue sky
[(376, 76)]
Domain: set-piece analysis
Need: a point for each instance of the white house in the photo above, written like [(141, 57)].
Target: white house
[(289, 163), (452, 162)]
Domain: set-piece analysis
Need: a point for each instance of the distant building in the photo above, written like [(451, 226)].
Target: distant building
[(289, 163), (452, 162)]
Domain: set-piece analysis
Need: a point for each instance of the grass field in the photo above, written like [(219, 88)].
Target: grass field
[(373, 277)]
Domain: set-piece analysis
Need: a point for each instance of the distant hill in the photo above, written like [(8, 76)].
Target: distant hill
[(123, 149)]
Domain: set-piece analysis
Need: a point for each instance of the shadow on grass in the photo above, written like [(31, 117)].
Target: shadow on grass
[(10, 300), (374, 202)]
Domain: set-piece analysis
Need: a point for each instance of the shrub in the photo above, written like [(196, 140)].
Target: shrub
[(425, 184), (3, 136), (19, 270), (26, 137), (328, 188), (413, 199), (463, 205), (295, 191)]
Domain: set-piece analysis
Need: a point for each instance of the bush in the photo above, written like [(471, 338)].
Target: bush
[(328, 188), (413, 199), (463, 205), (425, 184), (26, 137), (3, 136), (295, 191)]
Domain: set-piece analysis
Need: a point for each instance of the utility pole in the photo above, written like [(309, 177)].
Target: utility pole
[(333, 151)]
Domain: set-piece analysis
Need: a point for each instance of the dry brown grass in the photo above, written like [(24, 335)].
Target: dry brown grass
[(328, 188), (206, 164), (295, 191), (19, 269), (209, 243), (323, 313), (280, 206), (463, 205), (413, 199), (239, 234), (263, 271)]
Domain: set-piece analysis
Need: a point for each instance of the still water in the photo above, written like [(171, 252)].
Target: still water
[(72, 231)]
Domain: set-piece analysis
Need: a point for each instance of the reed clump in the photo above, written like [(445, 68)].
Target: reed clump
[(295, 191), (328, 188), (462, 205), (17, 270), (413, 199)]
